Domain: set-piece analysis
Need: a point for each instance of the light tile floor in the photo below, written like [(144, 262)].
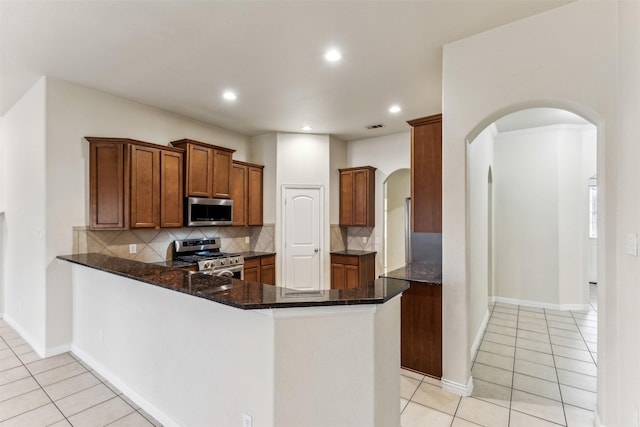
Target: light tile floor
[(58, 391), (535, 367)]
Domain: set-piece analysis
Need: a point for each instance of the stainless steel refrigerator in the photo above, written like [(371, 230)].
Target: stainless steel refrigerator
[(420, 247)]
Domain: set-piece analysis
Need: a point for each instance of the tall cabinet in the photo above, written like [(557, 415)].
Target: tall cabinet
[(246, 192), (426, 174)]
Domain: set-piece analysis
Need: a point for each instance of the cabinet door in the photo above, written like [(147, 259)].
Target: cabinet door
[(251, 271), (421, 329), (360, 198), (145, 187), (254, 201), (268, 270), (426, 175), (107, 184), (222, 173), (338, 278), (199, 171), (352, 276), (171, 199), (239, 193), (346, 198)]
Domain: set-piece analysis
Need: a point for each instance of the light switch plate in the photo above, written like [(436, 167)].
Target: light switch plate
[(632, 244)]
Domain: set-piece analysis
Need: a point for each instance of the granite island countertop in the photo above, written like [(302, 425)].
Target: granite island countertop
[(238, 293), (420, 272), (352, 252)]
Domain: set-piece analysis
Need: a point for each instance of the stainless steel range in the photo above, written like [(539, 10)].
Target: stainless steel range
[(206, 254)]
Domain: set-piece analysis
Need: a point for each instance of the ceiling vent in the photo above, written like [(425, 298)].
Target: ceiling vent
[(376, 126)]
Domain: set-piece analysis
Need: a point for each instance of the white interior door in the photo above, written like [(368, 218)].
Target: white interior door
[(302, 240)]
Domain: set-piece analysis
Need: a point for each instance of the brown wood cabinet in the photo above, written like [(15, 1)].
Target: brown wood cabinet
[(207, 169), (260, 269), (351, 271), (357, 196), (421, 329), (246, 192), (426, 174), (134, 184)]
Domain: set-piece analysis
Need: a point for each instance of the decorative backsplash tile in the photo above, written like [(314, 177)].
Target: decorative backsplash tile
[(338, 238), (355, 237), (154, 245)]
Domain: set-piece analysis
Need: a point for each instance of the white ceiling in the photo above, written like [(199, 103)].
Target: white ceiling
[(180, 55)]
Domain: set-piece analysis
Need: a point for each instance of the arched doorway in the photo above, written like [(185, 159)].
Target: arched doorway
[(396, 189)]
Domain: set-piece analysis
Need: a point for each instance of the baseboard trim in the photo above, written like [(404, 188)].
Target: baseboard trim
[(40, 350), (480, 334), (140, 400), (59, 349), (457, 388), (597, 422), (538, 304)]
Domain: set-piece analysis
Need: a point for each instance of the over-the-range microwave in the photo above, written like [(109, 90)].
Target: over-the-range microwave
[(201, 211)]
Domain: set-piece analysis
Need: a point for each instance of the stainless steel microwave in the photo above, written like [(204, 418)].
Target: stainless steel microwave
[(199, 211)]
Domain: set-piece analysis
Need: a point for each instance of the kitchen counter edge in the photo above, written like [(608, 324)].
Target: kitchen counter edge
[(240, 293), (418, 272)]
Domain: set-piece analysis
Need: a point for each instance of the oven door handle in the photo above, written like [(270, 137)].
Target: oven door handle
[(224, 273)]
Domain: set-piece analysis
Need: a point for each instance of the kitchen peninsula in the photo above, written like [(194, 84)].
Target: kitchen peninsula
[(196, 349)]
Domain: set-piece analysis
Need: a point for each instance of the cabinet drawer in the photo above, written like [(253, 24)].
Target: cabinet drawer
[(252, 263), (345, 259)]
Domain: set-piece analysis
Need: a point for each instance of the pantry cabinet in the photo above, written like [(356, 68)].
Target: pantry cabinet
[(246, 192), (357, 197), (134, 184), (426, 174), (207, 169)]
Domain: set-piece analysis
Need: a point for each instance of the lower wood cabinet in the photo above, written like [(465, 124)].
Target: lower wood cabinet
[(350, 271), (421, 329), (260, 269)]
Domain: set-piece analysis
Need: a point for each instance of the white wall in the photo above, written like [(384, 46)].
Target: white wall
[(541, 214), (24, 174), (565, 58), (304, 159), (628, 221), (480, 159)]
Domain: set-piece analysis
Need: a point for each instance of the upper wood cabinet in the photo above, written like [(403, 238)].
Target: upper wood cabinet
[(357, 196), (207, 169), (134, 184), (426, 174), (246, 192)]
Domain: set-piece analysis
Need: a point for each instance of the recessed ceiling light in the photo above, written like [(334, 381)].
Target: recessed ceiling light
[(306, 128), (395, 109), (333, 55), (230, 95)]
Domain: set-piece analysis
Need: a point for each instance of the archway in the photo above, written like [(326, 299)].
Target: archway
[(396, 189)]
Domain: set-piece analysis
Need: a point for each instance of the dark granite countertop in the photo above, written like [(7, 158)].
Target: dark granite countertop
[(254, 254), (238, 293), (421, 272), (351, 252)]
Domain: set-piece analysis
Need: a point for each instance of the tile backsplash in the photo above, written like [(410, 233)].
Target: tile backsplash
[(155, 245), (352, 238)]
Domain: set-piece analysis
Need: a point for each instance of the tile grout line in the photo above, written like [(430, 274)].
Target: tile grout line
[(555, 368), (585, 341), (41, 388)]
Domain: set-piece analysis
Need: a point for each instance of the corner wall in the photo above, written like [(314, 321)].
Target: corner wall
[(532, 62), (24, 199)]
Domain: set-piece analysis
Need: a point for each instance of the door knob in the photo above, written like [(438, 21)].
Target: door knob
[(316, 250)]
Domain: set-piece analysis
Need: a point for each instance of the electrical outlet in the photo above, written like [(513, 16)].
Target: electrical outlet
[(246, 240), (632, 244), (246, 420), (133, 248), (364, 240)]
